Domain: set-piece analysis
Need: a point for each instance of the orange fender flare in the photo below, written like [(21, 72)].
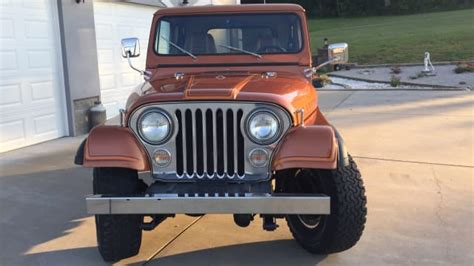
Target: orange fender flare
[(312, 146), (114, 146)]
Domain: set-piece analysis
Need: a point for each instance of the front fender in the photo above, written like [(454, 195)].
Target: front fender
[(113, 146), (312, 146)]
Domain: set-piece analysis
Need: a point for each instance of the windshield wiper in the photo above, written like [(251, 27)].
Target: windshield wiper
[(240, 50), (179, 48)]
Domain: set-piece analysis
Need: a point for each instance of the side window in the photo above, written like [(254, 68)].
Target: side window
[(163, 45)]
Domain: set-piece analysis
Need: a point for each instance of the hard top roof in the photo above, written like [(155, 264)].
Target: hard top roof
[(250, 8)]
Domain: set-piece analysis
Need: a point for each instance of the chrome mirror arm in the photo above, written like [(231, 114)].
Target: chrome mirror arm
[(316, 68), (146, 74), (131, 65)]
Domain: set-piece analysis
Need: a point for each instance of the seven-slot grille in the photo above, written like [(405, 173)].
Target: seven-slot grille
[(210, 143)]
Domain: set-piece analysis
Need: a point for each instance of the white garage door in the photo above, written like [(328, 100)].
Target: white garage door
[(114, 21), (32, 105)]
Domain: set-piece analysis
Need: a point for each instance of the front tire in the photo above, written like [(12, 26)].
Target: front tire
[(118, 236), (341, 229)]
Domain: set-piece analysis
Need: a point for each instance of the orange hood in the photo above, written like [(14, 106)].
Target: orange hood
[(289, 90)]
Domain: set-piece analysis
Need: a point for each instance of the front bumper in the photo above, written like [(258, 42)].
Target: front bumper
[(210, 204)]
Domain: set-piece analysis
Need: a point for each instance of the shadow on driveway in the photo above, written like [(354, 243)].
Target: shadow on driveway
[(44, 222), (41, 211), (276, 252)]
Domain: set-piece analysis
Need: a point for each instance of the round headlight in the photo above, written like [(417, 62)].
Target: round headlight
[(154, 127), (263, 127)]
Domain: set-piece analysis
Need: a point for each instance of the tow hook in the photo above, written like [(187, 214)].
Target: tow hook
[(155, 221), (269, 223)]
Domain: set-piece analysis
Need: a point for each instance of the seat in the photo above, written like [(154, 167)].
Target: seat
[(200, 43), (268, 44)]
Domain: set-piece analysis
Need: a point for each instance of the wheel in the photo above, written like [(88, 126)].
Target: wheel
[(339, 231), (118, 236)]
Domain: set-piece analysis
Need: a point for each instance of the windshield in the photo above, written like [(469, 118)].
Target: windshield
[(251, 34)]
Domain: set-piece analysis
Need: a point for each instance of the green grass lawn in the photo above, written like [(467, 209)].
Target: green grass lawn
[(448, 36)]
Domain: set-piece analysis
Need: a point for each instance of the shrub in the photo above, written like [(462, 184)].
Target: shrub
[(464, 67), (395, 81)]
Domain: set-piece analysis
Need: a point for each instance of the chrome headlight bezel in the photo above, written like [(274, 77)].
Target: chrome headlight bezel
[(140, 128), (270, 140)]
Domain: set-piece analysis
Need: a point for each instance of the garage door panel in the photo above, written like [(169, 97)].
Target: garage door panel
[(40, 5), (39, 59), (107, 82), (12, 130), (113, 22), (8, 60), (10, 95), (103, 30), (38, 29), (43, 90), (105, 56), (42, 107), (44, 124), (126, 30), (27, 131), (7, 29), (129, 80), (31, 93)]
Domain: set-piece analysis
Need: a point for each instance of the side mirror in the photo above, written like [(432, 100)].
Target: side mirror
[(130, 47), (338, 53)]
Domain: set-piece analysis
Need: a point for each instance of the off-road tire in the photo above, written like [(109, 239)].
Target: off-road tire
[(344, 226), (118, 236)]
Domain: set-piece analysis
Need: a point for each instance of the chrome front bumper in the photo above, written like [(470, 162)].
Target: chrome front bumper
[(243, 204)]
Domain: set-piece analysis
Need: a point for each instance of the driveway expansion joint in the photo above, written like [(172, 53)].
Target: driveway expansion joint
[(415, 162), (340, 103), (157, 252), (439, 207)]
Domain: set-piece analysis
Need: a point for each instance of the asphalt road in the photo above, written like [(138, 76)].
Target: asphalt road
[(415, 151)]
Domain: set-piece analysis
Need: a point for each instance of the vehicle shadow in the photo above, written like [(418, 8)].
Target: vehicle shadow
[(72, 257), (275, 252), (43, 211)]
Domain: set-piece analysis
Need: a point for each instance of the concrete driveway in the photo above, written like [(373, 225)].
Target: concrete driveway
[(415, 151)]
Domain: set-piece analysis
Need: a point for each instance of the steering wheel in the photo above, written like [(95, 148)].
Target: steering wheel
[(271, 47)]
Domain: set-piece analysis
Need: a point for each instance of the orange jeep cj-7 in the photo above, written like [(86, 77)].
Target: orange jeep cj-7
[(226, 121)]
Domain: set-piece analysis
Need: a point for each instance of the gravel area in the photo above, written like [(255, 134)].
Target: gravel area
[(444, 76)]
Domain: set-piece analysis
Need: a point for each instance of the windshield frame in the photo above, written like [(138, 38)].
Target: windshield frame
[(302, 47)]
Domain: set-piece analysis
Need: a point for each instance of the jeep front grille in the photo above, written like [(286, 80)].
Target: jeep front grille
[(210, 143), (209, 140)]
